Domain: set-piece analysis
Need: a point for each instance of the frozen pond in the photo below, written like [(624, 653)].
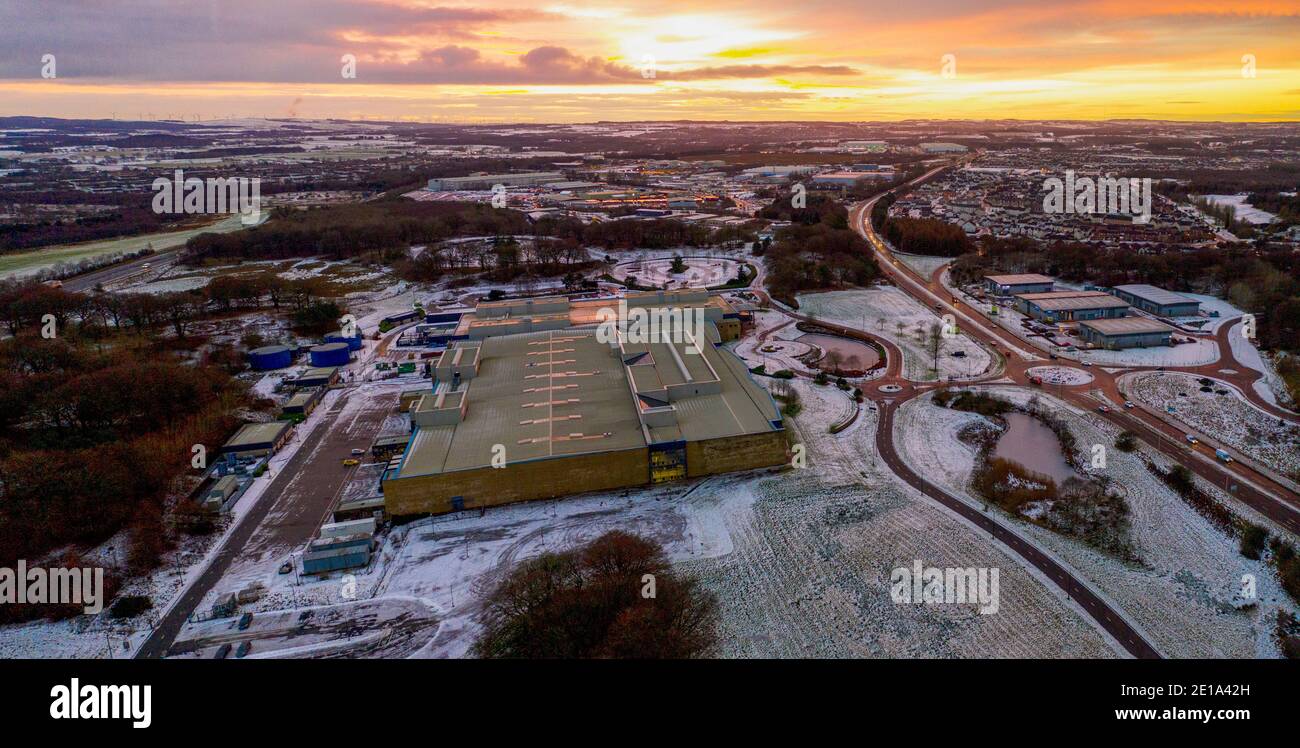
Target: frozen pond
[(841, 353), (1029, 443)]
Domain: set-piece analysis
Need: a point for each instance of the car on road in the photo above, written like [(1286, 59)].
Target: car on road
[(1223, 455), (350, 462), (1191, 439), (1053, 356), (1129, 404), (1103, 409), (1087, 363), (358, 452)]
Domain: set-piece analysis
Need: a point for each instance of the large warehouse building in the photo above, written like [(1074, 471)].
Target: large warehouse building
[(488, 181), (541, 413), (1158, 301), (1070, 306), (1010, 285), (1127, 332)]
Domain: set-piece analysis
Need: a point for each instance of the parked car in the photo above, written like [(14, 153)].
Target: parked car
[(245, 621), (286, 567), (244, 649), (222, 652)]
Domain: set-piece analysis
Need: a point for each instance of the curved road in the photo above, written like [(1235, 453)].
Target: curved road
[(1253, 488)]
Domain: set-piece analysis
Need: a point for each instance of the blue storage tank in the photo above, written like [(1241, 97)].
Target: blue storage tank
[(270, 357), (331, 354), (353, 343)]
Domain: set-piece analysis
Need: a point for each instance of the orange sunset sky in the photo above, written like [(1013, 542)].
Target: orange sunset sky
[(571, 61)]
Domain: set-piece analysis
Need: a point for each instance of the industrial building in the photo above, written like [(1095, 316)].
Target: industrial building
[(257, 439), (943, 148), (221, 490), (1158, 301), (1127, 332), (874, 146), (535, 413), (388, 447), (1011, 285), (341, 545), (1070, 306), (840, 178), (488, 181), (318, 376), (303, 402)]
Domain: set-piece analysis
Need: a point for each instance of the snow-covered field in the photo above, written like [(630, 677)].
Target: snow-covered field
[(889, 313), (923, 264), (1227, 418), (1202, 351), (1180, 593), (1242, 210)]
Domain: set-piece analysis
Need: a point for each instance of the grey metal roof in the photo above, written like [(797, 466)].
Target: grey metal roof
[(1126, 326), (1155, 294)]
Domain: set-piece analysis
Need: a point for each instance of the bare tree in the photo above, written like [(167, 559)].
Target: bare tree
[(935, 344)]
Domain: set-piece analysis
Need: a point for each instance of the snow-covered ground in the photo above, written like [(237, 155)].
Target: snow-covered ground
[(779, 349), (86, 636), (1202, 351), (699, 272), (1227, 312), (1242, 210), (1228, 418), (1270, 386), (924, 265), (890, 313), (1180, 592), (1066, 375), (172, 285), (99, 636), (799, 561)]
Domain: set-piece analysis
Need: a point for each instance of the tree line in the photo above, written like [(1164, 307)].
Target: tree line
[(97, 423)]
